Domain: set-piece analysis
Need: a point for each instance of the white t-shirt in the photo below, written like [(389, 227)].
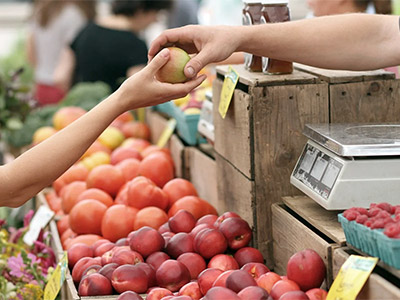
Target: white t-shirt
[(50, 40)]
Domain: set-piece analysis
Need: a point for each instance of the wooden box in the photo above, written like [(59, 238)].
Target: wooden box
[(378, 286), (261, 139)]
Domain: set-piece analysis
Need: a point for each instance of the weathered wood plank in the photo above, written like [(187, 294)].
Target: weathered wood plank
[(324, 220), (177, 149), (233, 138)]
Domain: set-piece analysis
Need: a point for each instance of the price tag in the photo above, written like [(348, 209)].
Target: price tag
[(56, 279), (230, 81), (39, 221), (166, 134), (352, 277)]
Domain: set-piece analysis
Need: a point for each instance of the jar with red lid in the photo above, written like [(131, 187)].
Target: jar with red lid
[(275, 11), (252, 16)]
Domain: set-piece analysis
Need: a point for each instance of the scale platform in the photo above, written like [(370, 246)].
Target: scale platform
[(346, 165)]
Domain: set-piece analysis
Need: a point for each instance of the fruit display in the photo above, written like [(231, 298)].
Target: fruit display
[(375, 231)]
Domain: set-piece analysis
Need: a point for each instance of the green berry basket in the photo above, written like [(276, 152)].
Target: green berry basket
[(372, 241)]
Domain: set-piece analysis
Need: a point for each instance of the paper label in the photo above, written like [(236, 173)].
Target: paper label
[(352, 277), (166, 134), (230, 81), (39, 221), (56, 279)]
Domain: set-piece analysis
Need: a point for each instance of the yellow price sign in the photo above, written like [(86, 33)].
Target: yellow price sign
[(228, 87), (166, 134), (56, 279), (351, 278)]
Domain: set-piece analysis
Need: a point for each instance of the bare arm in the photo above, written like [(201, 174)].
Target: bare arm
[(352, 42), (41, 165)]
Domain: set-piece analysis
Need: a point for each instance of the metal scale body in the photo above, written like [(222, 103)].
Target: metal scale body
[(347, 165)]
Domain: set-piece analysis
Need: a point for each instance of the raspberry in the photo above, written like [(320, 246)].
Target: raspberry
[(378, 223), (397, 217), (361, 210), (368, 223), (351, 214), (385, 206), (396, 210), (372, 205), (383, 214), (392, 230), (361, 219), (373, 211)]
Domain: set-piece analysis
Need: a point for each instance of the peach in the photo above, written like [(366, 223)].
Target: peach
[(254, 293), (294, 295), (156, 259), (127, 257), (224, 216), (129, 278), (223, 262), (90, 270), (158, 293), (238, 280), (150, 273), (194, 262), (267, 280), (172, 275), (129, 295), (80, 266), (255, 269), (77, 251), (307, 269), (248, 254), (317, 294), (95, 285), (173, 70), (210, 242), (192, 290), (108, 269), (137, 130), (119, 154), (146, 241), (206, 279), (182, 221), (221, 279), (103, 248), (283, 286), (237, 232), (178, 244), (219, 292)]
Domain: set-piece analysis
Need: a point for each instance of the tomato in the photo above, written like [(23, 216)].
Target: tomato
[(142, 192), (86, 216), (96, 194), (107, 178), (157, 167), (150, 216), (88, 239), (63, 224), (118, 222), (196, 206), (70, 194), (178, 188)]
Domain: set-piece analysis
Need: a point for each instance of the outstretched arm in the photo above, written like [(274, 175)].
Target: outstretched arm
[(350, 42), (41, 165)]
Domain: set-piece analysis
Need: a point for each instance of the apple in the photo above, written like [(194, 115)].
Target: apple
[(283, 286), (180, 243), (94, 284), (191, 289), (210, 242), (129, 278), (156, 259), (255, 269), (207, 278), (267, 280), (172, 275), (294, 295), (207, 219), (77, 251), (127, 257), (219, 292), (248, 254), (224, 216), (129, 295), (146, 241), (108, 269), (158, 293), (223, 262), (194, 262), (237, 232), (238, 280), (182, 221), (221, 279), (173, 70), (150, 273), (307, 269), (317, 294), (253, 293)]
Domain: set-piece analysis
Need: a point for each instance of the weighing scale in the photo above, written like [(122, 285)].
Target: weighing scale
[(347, 165)]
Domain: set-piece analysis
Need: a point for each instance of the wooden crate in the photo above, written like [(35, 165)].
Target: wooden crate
[(261, 137), (201, 170), (376, 287), (291, 234), (360, 97)]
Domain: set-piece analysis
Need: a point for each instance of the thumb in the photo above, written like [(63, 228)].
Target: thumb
[(197, 63), (158, 61)]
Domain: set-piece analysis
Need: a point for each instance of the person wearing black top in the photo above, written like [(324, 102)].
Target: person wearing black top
[(109, 49)]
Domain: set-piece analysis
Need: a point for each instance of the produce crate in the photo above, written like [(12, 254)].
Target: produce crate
[(186, 125), (261, 135), (378, 286), (372, 241), (261, 138), (292, 234)]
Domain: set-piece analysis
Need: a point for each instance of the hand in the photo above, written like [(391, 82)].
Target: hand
[(143, 89), (210, 43)]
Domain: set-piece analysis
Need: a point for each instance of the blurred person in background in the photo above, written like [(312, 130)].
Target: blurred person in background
[(55, 23), (183, 12), (333, 7), (110, 48)]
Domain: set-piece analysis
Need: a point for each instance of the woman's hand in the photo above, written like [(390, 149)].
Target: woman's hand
[(143, 89)]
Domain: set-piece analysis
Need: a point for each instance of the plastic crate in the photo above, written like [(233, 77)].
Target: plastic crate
[(372, 241)]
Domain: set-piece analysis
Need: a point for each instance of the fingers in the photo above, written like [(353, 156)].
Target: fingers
[(198, 62), (159, 60), (182, 89), (163, 40)]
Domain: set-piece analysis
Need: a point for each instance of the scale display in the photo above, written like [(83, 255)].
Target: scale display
[(317, 171)]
